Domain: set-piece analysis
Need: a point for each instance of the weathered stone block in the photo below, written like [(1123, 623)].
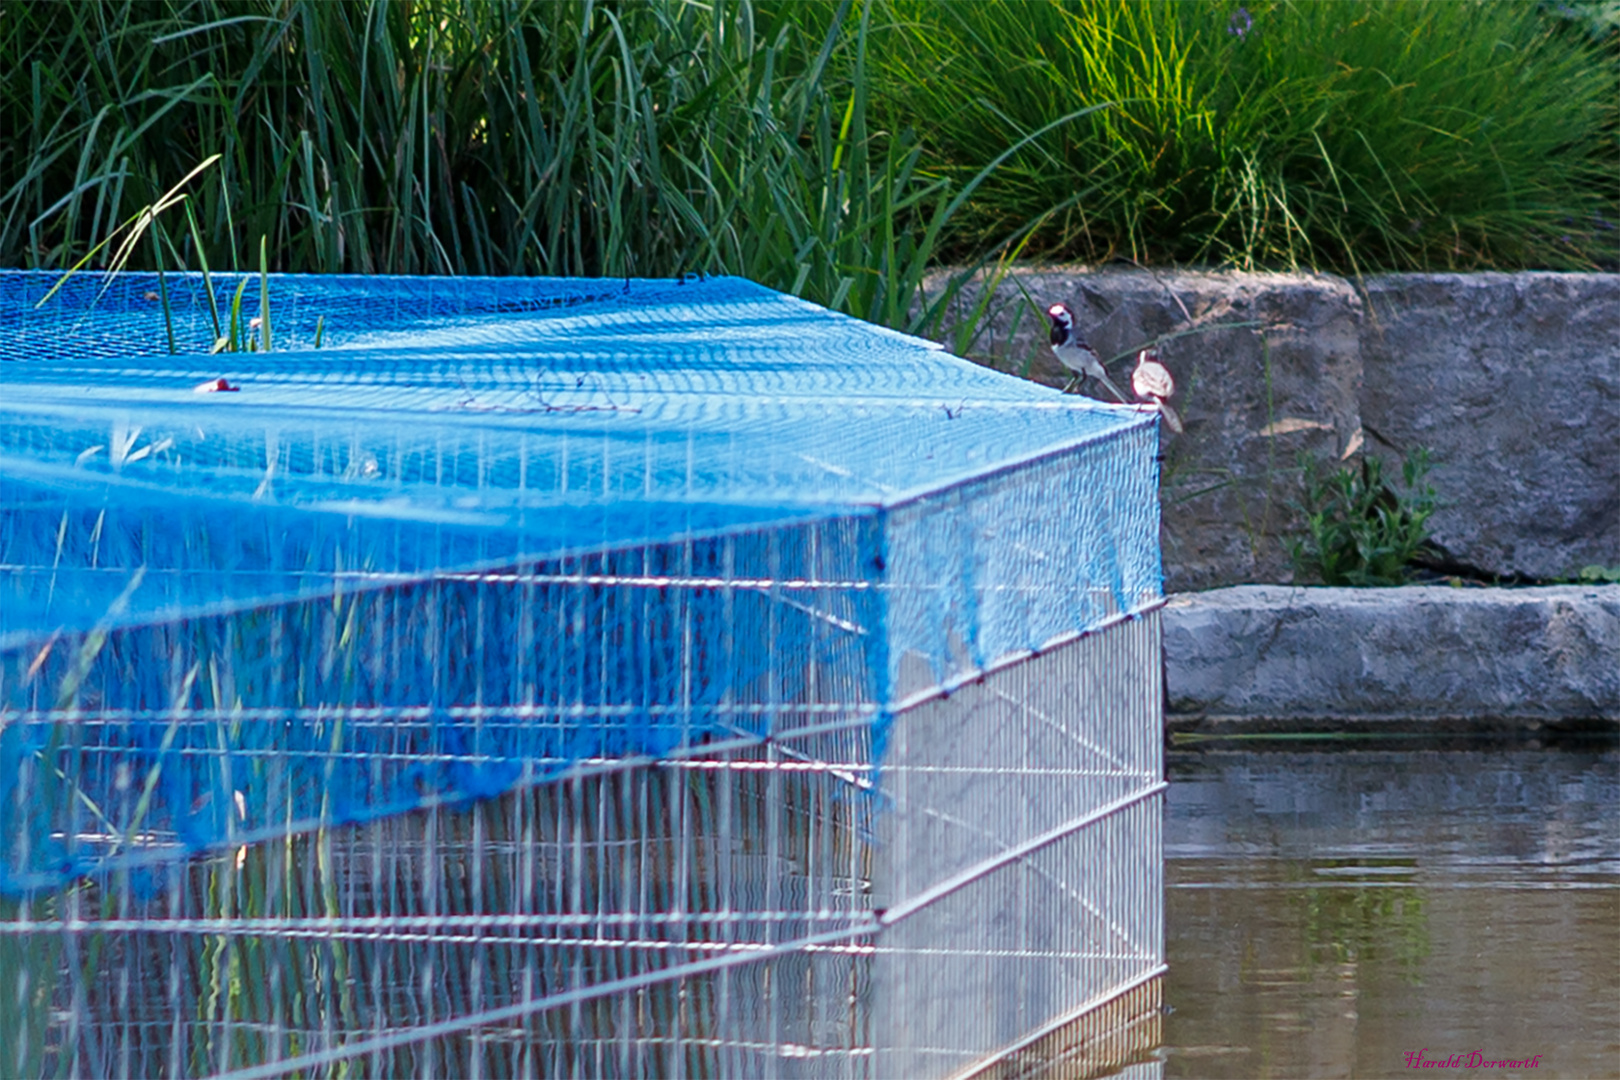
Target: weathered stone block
[(1513, 380), (1273, 655)]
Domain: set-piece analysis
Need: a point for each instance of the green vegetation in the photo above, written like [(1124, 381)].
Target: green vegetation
[(827, 148), (1358, 530), (477, 137), (1383, 134)]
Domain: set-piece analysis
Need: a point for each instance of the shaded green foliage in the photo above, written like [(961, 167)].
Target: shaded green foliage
[(1392, 134), (1359, 530), (819, 146), (473, 137)]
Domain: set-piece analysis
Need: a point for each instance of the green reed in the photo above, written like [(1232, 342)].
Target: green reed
[(470, 137)]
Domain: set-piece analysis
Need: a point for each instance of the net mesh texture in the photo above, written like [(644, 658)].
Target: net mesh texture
[(562, 677)]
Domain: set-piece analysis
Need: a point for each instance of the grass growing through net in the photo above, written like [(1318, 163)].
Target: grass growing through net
[(1392, 134)]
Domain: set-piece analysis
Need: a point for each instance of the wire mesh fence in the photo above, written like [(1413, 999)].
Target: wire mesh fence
[(562, 678)]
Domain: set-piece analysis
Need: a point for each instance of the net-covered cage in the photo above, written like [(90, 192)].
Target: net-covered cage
[(487, 677)]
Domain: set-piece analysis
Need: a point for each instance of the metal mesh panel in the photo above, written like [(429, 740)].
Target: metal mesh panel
[(559, 678), (1025, 856)]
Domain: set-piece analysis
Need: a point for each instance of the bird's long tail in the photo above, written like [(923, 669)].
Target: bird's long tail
[(1102, 377), (1170, 417)]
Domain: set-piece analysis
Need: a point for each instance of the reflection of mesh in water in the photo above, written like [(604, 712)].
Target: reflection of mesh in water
[(561, 678)]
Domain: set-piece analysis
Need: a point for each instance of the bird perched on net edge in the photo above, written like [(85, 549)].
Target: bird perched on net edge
[(1073, 352), (1152, 382)]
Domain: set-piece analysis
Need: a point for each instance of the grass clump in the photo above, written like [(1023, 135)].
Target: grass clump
[(1384, 134), (1359, 530), (472, 137)]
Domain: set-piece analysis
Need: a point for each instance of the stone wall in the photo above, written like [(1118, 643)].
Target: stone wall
[(1511, 380)]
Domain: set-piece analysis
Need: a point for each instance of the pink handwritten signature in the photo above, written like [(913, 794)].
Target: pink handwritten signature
[(1475, 1060)]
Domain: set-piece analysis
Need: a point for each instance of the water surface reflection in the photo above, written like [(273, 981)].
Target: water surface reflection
[(1329, 912)]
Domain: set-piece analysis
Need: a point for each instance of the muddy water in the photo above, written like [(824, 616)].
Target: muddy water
[(1330, 913)]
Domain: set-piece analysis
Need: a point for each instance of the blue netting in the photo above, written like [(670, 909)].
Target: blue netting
[(493, 528)]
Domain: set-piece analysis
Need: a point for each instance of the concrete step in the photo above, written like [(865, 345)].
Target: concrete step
[(1258, 658)]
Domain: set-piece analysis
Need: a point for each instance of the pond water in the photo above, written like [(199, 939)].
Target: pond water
[(1330, 912)]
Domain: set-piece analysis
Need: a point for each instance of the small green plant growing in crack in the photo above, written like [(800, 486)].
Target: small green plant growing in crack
[(1358, 529)]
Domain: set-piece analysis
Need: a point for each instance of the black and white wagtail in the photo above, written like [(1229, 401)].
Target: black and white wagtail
[(1073, 352)]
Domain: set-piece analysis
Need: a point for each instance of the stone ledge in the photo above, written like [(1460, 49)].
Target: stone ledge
[(1277, 657)]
